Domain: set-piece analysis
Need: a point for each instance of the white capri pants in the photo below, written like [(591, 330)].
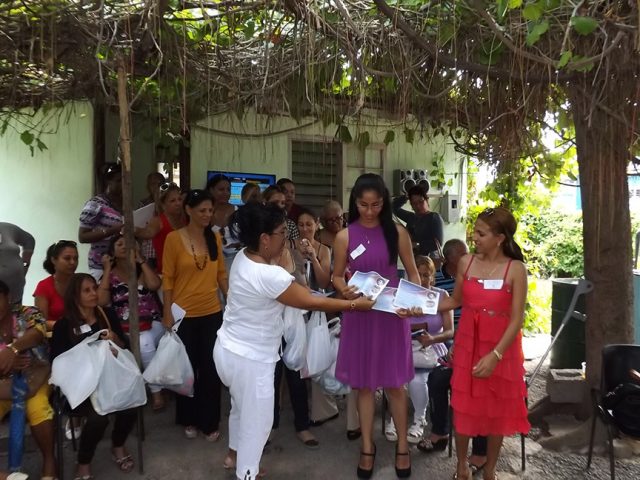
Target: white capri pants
[(252, 396)]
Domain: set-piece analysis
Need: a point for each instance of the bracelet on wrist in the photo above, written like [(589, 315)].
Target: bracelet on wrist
[(497, 354), (352, 307), (13, 349)]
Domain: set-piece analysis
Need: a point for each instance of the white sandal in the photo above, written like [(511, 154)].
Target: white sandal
[(390, 431)]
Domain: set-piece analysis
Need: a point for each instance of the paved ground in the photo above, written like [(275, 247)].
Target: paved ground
[(168, 456)]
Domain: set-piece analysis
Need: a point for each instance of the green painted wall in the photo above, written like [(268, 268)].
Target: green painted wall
[(44, 193), (260, 144)]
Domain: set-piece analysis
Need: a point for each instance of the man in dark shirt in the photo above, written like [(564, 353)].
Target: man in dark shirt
[(424, 226), (452, 251), (289, 189)]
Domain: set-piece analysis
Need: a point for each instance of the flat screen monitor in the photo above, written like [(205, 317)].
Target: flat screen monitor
[(239, 179)]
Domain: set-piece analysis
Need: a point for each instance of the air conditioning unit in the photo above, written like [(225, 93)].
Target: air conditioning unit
[(450, 208)]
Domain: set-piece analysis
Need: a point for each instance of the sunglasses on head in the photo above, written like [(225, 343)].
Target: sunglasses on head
[(488, 211), (66, 243), (166, 185)]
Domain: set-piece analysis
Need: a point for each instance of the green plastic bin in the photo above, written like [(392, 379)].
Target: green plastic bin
[(569, 349)]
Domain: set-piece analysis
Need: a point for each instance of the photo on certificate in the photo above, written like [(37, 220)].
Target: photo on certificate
[(410, 295), (384, 302), (370, 284)]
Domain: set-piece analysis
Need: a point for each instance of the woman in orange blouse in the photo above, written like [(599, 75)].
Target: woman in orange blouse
[(193, 270)]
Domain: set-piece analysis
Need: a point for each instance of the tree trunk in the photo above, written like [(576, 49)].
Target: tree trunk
[(603, 156), (127, 206)]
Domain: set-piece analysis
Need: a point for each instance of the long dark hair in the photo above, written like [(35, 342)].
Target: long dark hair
[(71, 309), (253, 219), (501, 221), (193, 199), (371, 181), (54, 251)]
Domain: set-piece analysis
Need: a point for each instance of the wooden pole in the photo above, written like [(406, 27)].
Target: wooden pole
[(127, 207)]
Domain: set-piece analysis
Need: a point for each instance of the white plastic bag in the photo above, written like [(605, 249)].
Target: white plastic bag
[(77, 370), (295, 336), (423, 357), (170, 367), (319, 351), (327, 379), (120, 385)]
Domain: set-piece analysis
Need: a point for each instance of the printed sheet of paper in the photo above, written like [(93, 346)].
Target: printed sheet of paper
[(370, 284), (384, 302), (142, 215), (411, 295)]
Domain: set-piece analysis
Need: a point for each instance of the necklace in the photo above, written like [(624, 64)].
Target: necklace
[(195, 257), (487, 275)]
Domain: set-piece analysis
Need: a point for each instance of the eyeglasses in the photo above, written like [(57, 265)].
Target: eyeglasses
[(373, 206), (284, 233), (488, 211), (337, 219), (166, 186)]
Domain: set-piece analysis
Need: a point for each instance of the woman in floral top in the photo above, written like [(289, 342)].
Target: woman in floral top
[(22, 344), (114, 291)]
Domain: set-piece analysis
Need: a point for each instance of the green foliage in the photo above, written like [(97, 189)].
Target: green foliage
[(537, 315), (584, 25), (554, 244)]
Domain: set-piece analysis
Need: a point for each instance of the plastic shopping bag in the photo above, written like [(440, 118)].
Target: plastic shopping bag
[(120, 385), (327, 379), (295, 337), (77, 370), (319, 351), (170, 367)]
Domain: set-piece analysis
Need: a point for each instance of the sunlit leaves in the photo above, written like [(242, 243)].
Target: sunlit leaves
[(536, 31), (584, 25)]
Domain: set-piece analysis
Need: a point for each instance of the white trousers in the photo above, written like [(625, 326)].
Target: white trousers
[(252, 396), (419, 394)]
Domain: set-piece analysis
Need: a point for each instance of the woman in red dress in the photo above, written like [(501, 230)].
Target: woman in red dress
[(487, 386)]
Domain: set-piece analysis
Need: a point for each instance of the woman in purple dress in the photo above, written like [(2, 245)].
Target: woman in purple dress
[(375, 347)]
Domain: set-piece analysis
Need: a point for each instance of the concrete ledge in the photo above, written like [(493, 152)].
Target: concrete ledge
[(566, 386)]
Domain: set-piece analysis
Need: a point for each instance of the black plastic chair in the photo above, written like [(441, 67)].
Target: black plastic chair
[(617, 403), (61, 409)]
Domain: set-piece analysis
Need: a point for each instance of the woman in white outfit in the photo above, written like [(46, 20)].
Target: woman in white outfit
[(246, 350)]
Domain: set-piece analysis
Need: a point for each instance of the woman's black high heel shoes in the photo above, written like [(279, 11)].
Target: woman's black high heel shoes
[(402, 472), (362, 473)]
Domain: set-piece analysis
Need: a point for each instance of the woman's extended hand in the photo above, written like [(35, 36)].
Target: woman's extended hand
[(409, 312), (168, 321), (363, 303), (484, 368), (350, 292), (425, 340), (107, 261)]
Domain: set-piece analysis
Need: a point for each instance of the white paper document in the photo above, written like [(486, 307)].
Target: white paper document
[(384, 302), (411, 295), (370, 284), (178, 312), (142, 215)]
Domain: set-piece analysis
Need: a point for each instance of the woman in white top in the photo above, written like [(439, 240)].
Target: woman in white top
[(246, 350)]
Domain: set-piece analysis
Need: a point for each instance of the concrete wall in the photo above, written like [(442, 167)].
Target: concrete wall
[(263, 145), (44, 193)]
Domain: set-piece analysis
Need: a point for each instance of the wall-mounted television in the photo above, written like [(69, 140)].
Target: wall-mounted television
[(239, 179)]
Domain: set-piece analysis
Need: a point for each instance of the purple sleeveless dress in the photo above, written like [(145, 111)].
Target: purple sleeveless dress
[(375, 347)]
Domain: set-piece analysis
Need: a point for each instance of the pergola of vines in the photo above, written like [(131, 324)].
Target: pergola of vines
[(493, 68)]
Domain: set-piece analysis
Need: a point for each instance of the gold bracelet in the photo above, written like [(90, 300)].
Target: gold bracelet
[(353, 306), (497, 354), (13, 349)]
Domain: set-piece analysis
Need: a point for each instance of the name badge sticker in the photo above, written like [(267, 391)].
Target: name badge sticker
[(84, 328), (493, 284), (357, 252)]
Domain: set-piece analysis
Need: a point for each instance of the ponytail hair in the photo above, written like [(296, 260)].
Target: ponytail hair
[(54, 251), (502, 222)]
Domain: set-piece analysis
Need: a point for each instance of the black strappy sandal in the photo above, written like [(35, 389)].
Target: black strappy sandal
[(361, 472)]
